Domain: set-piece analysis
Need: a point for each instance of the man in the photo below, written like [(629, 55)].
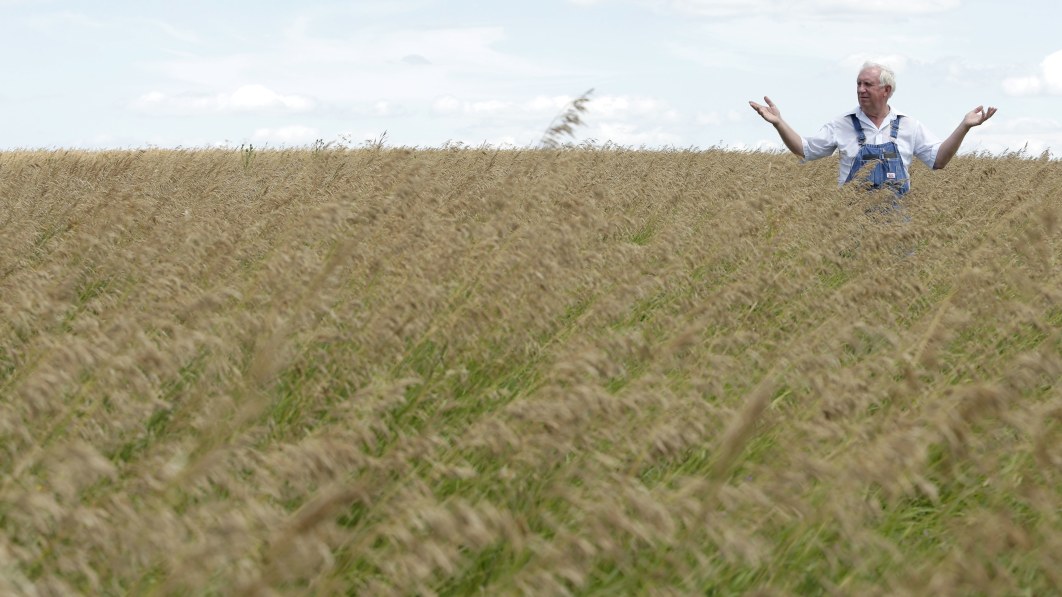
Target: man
[(876, 142)]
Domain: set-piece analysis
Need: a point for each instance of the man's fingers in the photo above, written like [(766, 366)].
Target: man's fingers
[(768, 112), (980, 114), (983, 113)]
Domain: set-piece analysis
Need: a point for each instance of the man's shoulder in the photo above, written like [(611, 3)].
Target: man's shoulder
[(909, 123), (906, 117)]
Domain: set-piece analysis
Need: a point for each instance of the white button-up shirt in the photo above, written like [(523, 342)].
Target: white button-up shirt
[(914, 139)]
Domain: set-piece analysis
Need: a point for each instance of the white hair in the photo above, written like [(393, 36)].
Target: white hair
[(886, 76)]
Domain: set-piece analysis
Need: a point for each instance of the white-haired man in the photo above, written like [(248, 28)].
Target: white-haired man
[(874, 136)]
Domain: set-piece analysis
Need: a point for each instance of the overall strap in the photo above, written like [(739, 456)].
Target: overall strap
[(858, 129), (896, 127)]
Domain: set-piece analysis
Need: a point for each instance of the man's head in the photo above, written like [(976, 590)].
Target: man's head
[(874, 86)]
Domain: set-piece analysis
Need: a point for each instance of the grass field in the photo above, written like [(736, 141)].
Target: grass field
[(469, 371)]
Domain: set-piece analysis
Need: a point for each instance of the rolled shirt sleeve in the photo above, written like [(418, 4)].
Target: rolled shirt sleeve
[(925, 145), (822, 144)]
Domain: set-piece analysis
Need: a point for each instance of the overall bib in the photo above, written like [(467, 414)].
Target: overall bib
[(887, 171)]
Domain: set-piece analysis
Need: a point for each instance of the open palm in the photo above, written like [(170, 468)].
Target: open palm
[(978, 115), (770, 112)]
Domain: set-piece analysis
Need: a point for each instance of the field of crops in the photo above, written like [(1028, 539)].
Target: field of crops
[(469, 371)]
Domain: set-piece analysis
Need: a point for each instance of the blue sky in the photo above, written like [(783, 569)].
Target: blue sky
[(123, 74)]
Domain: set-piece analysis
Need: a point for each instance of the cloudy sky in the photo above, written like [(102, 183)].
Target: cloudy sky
[(196, 73)]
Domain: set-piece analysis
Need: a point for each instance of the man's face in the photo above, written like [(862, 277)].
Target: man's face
[(873, 96)]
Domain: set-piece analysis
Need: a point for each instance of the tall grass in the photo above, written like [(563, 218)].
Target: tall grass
[(394, 371)]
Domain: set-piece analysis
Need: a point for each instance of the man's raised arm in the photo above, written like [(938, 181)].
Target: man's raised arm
[(771, 114), (950, 146)]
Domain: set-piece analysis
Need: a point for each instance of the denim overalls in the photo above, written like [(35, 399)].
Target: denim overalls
[(887, 167)]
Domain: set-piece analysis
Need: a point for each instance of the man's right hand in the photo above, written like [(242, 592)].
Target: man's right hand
[(770, 112)]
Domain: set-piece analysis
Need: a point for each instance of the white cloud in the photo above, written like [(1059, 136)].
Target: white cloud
[(544, 103), (286, 135), (385, 108), (626, 106), (177, 33), (461, 48), (368, 62), (63, 22), (503, 142), (709, 119), (708, 55), (446, 105), (1030, 125), (449, 105), (622, 119), (603, 108), (257, 97), (248, 98), (630, 134), (967, 72), (1048, 81), (1052, 70), (1022, 85), (720, 8), (804, 9), (488, 107), (910, 7), (714, 117)]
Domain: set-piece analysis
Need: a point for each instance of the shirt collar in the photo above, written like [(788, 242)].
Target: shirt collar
[(893, 113)]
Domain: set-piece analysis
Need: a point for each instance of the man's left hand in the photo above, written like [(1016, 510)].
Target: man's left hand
[(978, 116)]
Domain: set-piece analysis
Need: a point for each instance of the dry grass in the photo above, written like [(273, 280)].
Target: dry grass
[(389, 371)]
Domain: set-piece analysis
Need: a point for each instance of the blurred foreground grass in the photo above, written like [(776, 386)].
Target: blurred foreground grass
[(394, 371)]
